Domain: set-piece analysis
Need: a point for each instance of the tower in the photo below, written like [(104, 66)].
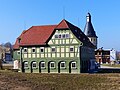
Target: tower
[(89, 30)]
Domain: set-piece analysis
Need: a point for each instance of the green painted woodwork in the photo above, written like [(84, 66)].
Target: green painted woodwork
[(16, 55)]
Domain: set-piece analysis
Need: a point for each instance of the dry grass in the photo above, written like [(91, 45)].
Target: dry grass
[(22, 81)]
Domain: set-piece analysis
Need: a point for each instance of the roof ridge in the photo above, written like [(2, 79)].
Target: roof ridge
[(44, 25)]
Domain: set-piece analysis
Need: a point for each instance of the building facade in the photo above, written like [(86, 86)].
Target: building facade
[(102, 56), (105, 56), (61, 48)]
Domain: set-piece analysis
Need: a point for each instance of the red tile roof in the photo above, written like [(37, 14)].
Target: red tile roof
[(36, 35), (39, 35), (62, 25)]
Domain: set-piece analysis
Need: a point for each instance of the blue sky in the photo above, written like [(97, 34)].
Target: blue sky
[(17, 15)]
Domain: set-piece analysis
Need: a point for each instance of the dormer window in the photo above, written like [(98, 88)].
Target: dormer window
[(19, 39)]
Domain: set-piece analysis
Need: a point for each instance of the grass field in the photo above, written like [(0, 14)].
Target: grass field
[(21, 81)]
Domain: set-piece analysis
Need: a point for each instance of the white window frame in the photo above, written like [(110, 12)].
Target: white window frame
[(72, 64), (51, 65), (52, 49), (41, 64), (57, 35), (64, 35), (61, 64), (60, 36), (18, 52), (72, 47), (42, 48), (26, 63), (34, 63), (33, 49), (67, 35), (26, 50)]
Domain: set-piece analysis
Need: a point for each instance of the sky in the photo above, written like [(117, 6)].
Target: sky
[(19, 15)]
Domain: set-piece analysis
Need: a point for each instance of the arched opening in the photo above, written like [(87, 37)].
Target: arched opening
[(61, 65), (41, 66), (33, 66), (72, 66), (24, 65), (51, 66)]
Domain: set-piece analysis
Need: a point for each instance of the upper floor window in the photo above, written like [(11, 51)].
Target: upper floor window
[(56, 36), (25, 50), (71, 49), (53, 49), (67, 36), (42, 49), (18, 52), (33, 50), (62, 36)]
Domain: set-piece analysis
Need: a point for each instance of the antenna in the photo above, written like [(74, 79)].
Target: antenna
[(63, 12)]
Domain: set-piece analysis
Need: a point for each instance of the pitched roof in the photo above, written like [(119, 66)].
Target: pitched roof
[(36, 35), (62, 25), (89, 30), (79, 34), (39, 35)]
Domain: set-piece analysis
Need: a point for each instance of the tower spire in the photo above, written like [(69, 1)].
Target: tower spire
[(89, 30), (88, 17)]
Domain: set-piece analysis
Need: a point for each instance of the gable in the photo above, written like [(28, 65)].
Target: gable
[(61, 37)]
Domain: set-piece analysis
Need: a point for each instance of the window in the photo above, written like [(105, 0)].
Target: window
[(42, 64), (56, 36), (52, 64), (18, 52), (62, 64), (67, 36), (63, 35), (59, 35), (33, 50), (53, 49), (25, 50), (71, 49), (42, 49), (34, 64), (25, 64), (73, 64)]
